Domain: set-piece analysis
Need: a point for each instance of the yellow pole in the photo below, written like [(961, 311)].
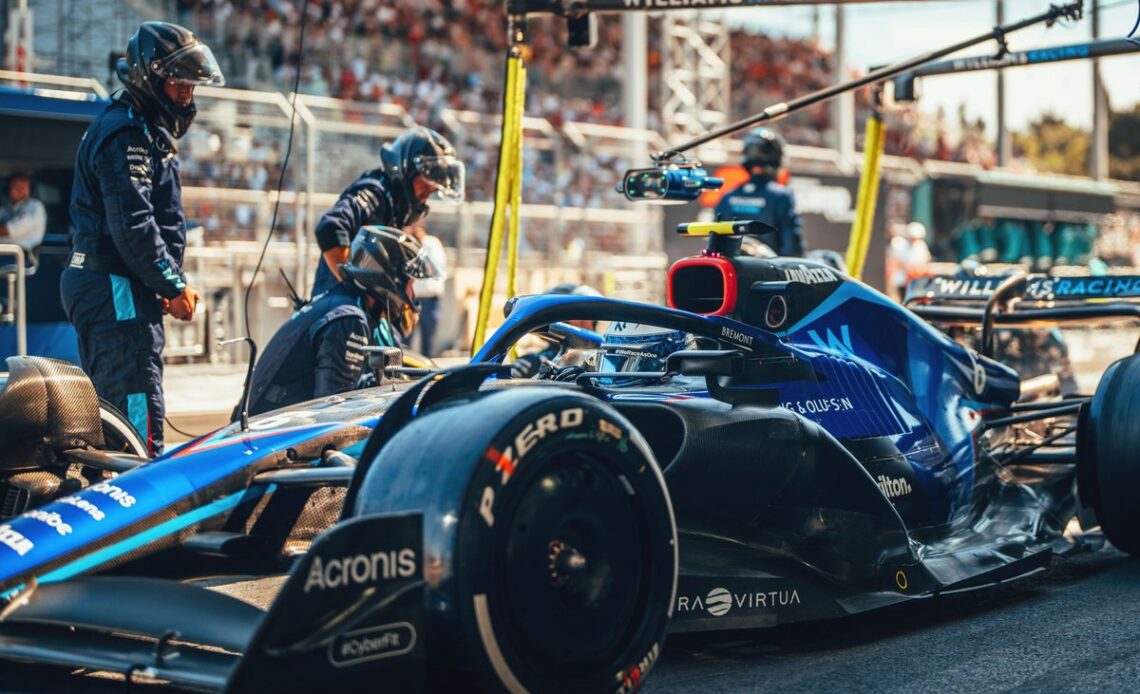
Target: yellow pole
[(863, 224), (516, 182), (502, 198)]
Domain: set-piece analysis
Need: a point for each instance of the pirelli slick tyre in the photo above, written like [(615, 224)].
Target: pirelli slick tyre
[(1108, 443), (549, 542)]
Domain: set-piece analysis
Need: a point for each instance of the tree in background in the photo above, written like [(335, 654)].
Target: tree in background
[(1124, 145), (1053, 146)]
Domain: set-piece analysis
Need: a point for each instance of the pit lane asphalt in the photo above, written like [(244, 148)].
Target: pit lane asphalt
[(1073, 628)]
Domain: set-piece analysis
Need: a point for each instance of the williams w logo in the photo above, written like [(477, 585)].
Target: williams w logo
[(833, 343)]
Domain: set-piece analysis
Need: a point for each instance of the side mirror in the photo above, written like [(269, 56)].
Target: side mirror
[(706, 362)]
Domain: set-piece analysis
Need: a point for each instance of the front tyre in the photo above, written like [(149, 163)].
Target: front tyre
[(549, 540)]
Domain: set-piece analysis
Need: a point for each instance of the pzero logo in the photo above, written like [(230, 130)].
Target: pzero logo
[(718, 602), (810, 275), (15, 541), (893, 487), (359, 569), (373, 643), (506, 461)]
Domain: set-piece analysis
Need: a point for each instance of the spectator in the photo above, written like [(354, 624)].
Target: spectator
[(23, 220)]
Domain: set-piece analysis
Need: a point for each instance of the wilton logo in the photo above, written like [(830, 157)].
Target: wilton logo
[(718, 602), (893, 487)]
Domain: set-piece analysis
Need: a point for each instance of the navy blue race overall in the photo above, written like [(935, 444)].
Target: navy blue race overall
[(763, 199), (318, 352), (128, 238), (367, 201)]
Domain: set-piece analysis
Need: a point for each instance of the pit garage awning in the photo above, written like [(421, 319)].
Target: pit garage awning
[(1043, 198)]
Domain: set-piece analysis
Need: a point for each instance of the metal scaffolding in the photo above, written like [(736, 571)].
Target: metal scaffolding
[(696, 84), (78, 37)]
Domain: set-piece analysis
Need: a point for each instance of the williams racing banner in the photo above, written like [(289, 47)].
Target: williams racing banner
[(1037, 288), (564, 7)]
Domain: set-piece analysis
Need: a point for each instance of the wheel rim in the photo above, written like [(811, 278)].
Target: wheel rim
[(573, 564)]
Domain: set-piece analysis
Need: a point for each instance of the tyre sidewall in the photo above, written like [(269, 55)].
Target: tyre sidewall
[(585, 425), (1114, 426)]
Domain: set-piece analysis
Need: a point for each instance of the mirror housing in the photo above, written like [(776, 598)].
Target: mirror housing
[(706, 362)]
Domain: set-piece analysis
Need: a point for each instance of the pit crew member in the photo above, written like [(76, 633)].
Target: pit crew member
[(319, 351), (129, 231), (762, 197), (414, 166)]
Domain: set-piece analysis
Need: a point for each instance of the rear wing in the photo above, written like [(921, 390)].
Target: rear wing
[(1025, 301), (1036, 288)]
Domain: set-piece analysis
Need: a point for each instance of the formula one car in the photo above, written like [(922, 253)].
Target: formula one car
[(781, 443)]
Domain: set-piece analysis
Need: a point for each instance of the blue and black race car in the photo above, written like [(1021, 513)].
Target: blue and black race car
[(780, 443)]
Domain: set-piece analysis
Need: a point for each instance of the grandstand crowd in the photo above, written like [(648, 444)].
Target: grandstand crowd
[(430, 55)]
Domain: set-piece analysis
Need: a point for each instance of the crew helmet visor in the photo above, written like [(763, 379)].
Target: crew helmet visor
[(446, 173), (422, 267), (194, 64)]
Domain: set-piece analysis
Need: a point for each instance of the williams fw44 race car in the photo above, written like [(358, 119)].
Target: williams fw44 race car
[(781, 443)]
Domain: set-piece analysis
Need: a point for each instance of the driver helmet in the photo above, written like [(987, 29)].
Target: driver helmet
[(629, 347), (763, 149), (422, 152), (750, 245), (157, 52), (382, 263)]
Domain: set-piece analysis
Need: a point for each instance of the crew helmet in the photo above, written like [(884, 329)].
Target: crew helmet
[(157, 52), (422, 152), (382, 263), (763, 148)]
